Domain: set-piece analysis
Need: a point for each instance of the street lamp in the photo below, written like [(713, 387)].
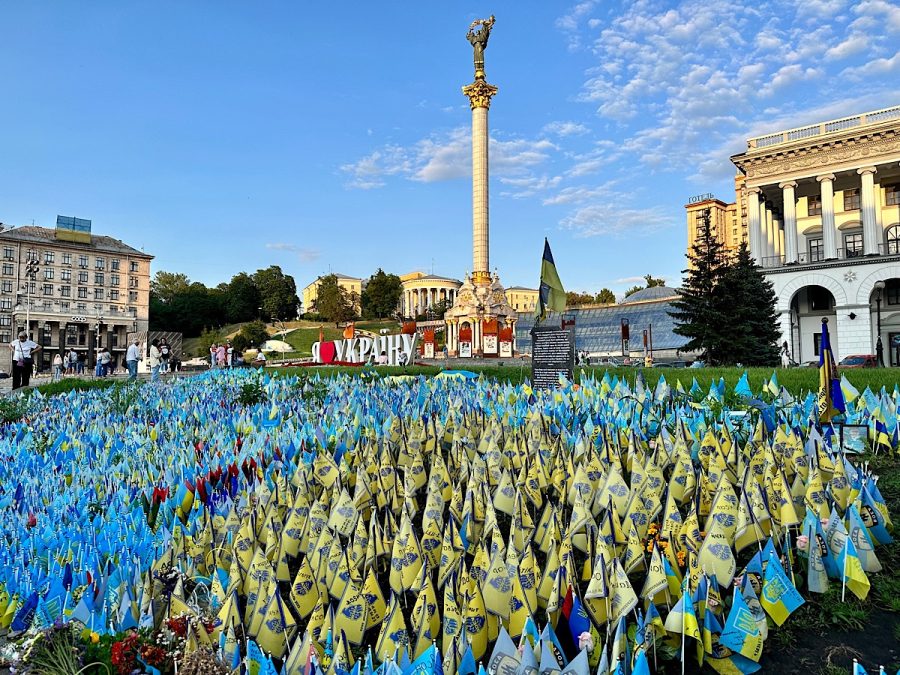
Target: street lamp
[(31, 269), (879, 289)]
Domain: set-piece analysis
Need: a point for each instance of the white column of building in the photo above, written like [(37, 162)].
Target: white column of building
[(753, 225), (871, 235), (790, 221), (829, 232), (764, 228), (779, 238)]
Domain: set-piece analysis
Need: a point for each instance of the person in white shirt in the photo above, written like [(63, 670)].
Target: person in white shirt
[(132, 356), (23, 350), (57, 367), (154, 360), (229, 354)]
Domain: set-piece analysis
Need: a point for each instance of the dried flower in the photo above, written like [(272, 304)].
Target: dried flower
[(586, 641), (802, 542)]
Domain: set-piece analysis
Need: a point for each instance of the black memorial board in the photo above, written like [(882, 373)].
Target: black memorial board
[(552, 355)]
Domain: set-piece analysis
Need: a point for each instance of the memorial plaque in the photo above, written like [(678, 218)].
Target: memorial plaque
[(465, 350), (429, 350), (552, 355), (506, 350), (490, 344)]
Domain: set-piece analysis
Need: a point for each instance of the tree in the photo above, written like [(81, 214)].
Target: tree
[(605, 297), (278, 293), (574, 298), (700, 311), (750, 336), (652, 283), (166, 285), (332, 301), (632, 291), (242, 299), (381, 295), (254, 334)]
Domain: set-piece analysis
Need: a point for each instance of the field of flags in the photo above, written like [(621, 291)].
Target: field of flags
[(413, 525)]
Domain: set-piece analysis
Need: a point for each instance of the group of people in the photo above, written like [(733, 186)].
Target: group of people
[(221, 355)]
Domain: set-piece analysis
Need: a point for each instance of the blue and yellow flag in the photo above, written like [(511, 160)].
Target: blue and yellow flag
[(779, 596), (831, 397), (551, 296)]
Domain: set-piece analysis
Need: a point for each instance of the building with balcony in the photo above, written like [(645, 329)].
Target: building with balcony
[(72, 289), (823, 219)]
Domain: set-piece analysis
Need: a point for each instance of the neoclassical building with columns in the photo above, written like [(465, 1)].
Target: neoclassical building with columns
[(421, 292), (822, 208)]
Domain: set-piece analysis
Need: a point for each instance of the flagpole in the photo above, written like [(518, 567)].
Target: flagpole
[(683, 628), (844, 575)]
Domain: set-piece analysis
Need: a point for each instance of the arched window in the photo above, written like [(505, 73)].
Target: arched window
[(892, 236)]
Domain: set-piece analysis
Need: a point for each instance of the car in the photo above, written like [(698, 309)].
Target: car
[(859, 361)]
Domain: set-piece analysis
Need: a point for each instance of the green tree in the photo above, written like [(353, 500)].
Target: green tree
[(574, 298), (652, 283), (166, 285), (254, 334), (381, 295), (332, 301), (750, 336), (278, 293), (605, 297), (701, 310), (632, 291), (242, 299)]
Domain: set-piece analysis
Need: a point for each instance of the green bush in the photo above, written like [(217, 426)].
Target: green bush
[(13, 408), (75, 384), (254, 333)]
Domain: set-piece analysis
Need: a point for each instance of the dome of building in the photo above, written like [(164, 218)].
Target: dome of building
[(646, 294)]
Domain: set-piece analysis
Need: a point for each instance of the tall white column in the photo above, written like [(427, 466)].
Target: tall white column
[(790, 221), (479, 94), (771, 235), (766, 232), (871, 235), (829, 232), (779, 237), (753, 225)]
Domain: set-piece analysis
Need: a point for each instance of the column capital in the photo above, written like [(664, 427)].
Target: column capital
[(866, 169), (754, 191), (479, 94), (788, 184), (825, 177)]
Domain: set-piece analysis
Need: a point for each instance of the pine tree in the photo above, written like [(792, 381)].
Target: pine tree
[(750, 336), (699, 313)]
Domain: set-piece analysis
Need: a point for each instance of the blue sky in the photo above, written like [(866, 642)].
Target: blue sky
[(227, 136)]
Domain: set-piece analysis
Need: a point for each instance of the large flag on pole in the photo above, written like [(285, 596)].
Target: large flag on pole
[(551, 296), (831, 398)]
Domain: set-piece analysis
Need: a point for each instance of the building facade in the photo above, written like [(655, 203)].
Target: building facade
[(423, 291), (823, 216), (522, 299), (72, 289), (351, 285)]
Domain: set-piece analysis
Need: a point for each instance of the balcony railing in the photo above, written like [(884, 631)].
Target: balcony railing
[(825, 128), (812, 257)]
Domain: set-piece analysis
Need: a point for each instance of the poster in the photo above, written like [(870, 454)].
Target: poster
[(429, 350), (552, 355), (490, 344), (465, 350), (506, 350)]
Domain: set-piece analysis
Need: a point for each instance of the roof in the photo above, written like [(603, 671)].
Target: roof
[(47, 235), (655, 293), (432, 277), (522, 288)]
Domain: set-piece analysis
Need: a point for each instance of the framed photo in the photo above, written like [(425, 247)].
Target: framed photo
[(854, 437)]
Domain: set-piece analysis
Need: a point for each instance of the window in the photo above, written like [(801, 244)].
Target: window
[(132, 282), (100, 263), (82, 277), (5, 338), (851, 199), (853, 244), (63, 306), (67, 258), (7, 253), (48, 273), (892, 195), (820, 299), (814, 205), (66, 275), (892, 291), (114, 265), (98, 294), (6, 287), (6, 303), (98, 278), (65, 291), (113, 279), (5, 321), (114, 294), (82, 293), (816, 252), (82, 306), (83, 261), (132, 296), (8, 269), (892, 236), (49, 256), (817, 343), (30, 287), (48, 289), (133, 266)]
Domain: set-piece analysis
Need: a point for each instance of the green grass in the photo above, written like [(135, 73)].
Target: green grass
[(76, 384)]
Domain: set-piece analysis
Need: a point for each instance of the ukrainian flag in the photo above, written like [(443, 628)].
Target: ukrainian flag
[(831, 398), (551, 295)]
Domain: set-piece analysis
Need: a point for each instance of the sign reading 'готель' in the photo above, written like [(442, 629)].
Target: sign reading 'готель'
[(552, 355)]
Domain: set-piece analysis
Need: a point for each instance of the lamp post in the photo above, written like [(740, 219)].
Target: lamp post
[(31, 270), (879, 289)]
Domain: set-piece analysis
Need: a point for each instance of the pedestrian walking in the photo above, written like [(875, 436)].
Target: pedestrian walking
[(164, 355), (132, 356), (57, 367), (212, 355), (220, 356), (154, 360), (229, 353), (23, 351)]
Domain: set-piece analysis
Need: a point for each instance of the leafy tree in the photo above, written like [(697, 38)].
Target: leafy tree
[(440, 308), (652, 283), (381, 295), (166, 285), (278, 293), (207, 338), (240, 344), (575, 298), (750, 336), (605, 297), (701, 311), (242, 299), (632, 291), (254, 334), (332, 301)]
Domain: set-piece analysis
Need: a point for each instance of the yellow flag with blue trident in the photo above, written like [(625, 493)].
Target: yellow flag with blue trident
[(551, 295), (831, 397), (779, 596)]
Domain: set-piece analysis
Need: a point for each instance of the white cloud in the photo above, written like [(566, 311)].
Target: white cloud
[(608, 218), (852, 45), (886, 14), (879, 67), (565, 129), (303, 254)]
